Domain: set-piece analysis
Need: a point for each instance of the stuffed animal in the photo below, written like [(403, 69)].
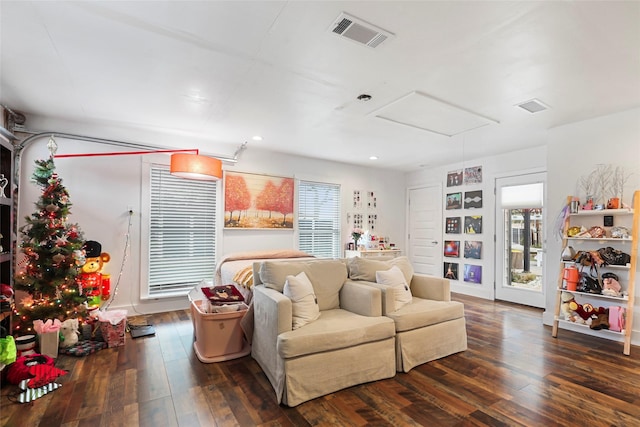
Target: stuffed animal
[(94, 284), (69, 332), (565, 307)]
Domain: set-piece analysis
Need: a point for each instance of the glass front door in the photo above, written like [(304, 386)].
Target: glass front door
[(520, 245)]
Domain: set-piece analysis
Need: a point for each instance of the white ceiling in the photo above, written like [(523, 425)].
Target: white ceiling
[(221, 72)]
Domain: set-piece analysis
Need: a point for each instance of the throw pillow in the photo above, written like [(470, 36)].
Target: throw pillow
[(394, 278), (304, 304), (327, 274), (365, 268)]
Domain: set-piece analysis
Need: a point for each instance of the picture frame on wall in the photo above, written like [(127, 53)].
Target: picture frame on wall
[(473, 224), (473, 175), (453, 225), (357, 199), (452, 248), (473, 249), (254, 201), (472, 273), (450, 271), (473, 199), (454, 201), (454, 178)]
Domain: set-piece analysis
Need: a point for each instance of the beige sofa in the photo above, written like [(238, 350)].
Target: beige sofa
[(430, 327), (350, 343)]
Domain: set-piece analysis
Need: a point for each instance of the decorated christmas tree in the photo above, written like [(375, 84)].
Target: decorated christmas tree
[(52, 250)]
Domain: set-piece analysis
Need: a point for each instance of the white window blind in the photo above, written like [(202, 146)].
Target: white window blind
[(527, 196), (182, 231), (319, 219)]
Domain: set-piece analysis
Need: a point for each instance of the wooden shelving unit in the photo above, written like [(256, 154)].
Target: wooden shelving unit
[(627, 217)]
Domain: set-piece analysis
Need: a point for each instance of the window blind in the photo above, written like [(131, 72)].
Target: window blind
[(319, 219), (182, 231), (527, 196)]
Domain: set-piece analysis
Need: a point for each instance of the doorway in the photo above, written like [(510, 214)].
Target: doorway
[(520, 242), (425, 225)]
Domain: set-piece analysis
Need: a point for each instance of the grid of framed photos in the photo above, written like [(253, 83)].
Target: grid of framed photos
[(371, 206), (464, 195)]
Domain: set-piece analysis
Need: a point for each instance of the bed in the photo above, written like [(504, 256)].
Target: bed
[(237, 268)]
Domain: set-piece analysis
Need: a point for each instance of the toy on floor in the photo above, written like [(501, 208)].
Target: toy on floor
[(69, 333), (95, 284)]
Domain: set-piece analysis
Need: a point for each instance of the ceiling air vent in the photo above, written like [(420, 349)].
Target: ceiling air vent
[(359, 31), (533, 105)]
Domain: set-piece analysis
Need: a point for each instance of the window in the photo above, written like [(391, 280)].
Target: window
[(319, 219), (181, 233)]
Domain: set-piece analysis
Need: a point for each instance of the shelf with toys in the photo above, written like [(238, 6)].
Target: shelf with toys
[(610, 267), (596, 283), (585, 326), (600, 239)]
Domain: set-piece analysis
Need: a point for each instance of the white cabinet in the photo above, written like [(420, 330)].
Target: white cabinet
[(373, 253), (606, 219)]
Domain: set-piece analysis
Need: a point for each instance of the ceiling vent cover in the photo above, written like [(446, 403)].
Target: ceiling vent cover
[(359, 31), (533, 105)]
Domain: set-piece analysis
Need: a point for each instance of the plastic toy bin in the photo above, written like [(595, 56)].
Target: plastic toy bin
[(218, 336)]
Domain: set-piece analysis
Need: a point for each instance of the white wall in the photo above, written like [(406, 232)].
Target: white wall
[(569, 152), (575, 150), (513, 163), (103, 189)]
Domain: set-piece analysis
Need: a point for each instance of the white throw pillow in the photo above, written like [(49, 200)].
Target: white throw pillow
[(304, 303), (395, 279)]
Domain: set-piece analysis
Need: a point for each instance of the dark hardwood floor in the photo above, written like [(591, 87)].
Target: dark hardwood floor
[(514, 373)]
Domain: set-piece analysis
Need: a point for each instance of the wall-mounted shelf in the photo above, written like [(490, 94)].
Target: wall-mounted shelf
[(600, 239), (600, 212)]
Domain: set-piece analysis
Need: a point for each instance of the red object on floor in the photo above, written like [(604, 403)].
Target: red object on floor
[(43, 375), (37, 368)]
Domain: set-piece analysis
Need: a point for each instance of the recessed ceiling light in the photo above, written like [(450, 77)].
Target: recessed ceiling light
[(373, 157), (257, 138), (196, 98), (364, 97), (533, 105)]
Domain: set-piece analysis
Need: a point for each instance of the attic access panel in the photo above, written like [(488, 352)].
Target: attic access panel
[(421, 111)]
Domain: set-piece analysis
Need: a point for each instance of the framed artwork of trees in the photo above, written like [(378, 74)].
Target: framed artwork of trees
[(257, 201)]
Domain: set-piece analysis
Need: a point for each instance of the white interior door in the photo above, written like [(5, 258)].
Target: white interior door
[(520, 242), (425, 230)]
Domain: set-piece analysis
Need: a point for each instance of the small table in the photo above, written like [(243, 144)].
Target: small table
[(371, 253)]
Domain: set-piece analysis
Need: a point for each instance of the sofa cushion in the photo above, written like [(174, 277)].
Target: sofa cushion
[(424, 312), (304, 305), (334, 329), (365, 268), (326, 276), (395, 279)]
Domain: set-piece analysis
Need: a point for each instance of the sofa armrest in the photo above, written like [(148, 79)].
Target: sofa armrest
[(272, 310), (272, 317), (361, 299), (387, 295), (429, 287)]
